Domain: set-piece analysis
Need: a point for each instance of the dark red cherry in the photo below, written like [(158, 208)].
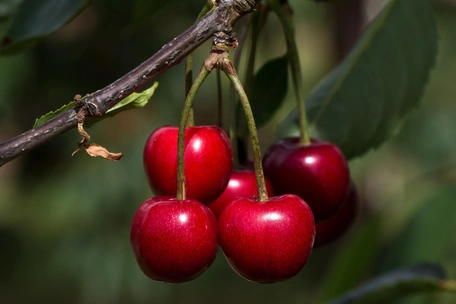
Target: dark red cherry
[(332, 228), (318, 173), (242, 184)]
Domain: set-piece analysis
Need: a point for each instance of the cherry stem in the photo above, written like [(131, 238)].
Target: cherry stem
[(189, 64), (181, 195), (232, 127), (230, 71), (257, 22), (219, 99), (188, 85), (252, 52), (288, 27)]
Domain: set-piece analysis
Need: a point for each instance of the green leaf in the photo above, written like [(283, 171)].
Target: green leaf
[(269, 89), (430, 232), (144, 9), (423, 278), (7, 11), (268, 93), (133, 101), (48, 116), (351, 261), (35, 20), (366, 98)]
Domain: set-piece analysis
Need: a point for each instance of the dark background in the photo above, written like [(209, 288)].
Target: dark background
[(64, 221)]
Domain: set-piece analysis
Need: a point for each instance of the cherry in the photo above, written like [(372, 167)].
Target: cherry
[(318, 173), (173, 240), (332, 228), (242, 184), (208, 161), (267, 241)]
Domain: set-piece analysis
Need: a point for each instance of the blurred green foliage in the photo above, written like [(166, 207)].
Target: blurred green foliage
[(23, 29), (360, 103), (64, 221)]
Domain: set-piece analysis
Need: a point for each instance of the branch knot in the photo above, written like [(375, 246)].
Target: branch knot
[(242, 7), (227, 39)]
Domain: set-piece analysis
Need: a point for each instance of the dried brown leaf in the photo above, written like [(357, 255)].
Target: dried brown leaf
[(94, 150)]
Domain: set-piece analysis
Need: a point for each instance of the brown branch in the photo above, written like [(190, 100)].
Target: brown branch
[(220, 19)]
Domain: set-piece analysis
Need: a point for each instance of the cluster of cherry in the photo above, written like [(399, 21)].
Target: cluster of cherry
[(264, 240)]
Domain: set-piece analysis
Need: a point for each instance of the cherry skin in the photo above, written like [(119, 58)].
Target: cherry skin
[(267, 241), (173, 240), (208, 161), (332, 228), (242, 184), (318, 173)]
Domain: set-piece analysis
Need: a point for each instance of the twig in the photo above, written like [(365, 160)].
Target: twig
[(221, 18)]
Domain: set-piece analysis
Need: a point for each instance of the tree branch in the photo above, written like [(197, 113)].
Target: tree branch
[(220, 19)]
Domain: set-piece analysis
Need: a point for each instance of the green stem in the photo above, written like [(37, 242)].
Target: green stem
[(219, 99), (207, 7), (188, 85), (232, 123), (188, 73), (288, 28), (258, 20), (189, 64), (230, 71), (251, 56), (232, 129), (243, 31), (181, 195), (233, 135)]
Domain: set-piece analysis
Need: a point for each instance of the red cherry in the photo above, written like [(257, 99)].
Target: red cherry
[(332, 228), (318, 173), (267, 241), (173, 240), (208, 159), (242, 184)]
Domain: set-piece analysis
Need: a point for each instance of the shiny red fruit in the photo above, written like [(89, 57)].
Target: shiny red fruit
[(173, 240), (267, 241), (332, 228), (242, 184), (318, 173), (208, 161)]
